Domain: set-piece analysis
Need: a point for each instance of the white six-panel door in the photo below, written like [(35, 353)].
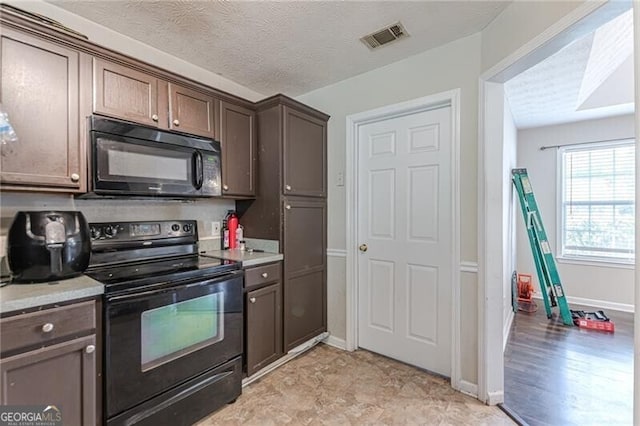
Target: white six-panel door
[(405, 221)]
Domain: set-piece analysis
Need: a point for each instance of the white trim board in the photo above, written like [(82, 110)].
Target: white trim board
[(507, 329), (584, 18), (599, 304), (336, 342), (449, 98), (336, 253)]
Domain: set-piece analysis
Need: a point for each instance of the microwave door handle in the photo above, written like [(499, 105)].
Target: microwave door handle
[(198, 174)]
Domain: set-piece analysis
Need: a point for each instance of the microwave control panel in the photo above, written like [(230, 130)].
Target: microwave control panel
[(211, 179)]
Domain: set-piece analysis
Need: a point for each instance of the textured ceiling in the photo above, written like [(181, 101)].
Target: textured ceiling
[(590, 78), (291, 47)]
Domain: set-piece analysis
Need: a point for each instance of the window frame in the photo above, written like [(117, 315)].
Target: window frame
[(578, 258)]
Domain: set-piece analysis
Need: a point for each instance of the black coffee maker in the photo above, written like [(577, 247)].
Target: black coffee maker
[(48, 246)]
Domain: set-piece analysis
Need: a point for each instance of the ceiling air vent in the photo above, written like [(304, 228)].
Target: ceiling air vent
[(385, 36)]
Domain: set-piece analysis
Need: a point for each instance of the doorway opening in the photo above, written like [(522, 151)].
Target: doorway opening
[(544, 111)]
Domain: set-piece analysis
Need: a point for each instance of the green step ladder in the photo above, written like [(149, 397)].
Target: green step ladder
[(550, 284)]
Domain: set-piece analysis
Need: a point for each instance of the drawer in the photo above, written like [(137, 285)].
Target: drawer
[(260, 275), (38, 328)]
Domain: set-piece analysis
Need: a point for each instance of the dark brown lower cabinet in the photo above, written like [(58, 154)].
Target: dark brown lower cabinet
[(63, 375), (52, 357), (263, 316), (305, 283), (264, 327)]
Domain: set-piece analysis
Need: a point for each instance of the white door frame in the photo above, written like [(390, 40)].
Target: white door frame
[(450, 98), (490, 185)]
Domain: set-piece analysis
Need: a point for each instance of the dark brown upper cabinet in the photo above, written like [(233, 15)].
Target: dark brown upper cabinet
[(305, 153), (129, 94), (42, 88), (191, 111), (239, 150)]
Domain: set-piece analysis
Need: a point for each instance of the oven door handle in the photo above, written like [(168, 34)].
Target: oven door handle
[(177, 287)]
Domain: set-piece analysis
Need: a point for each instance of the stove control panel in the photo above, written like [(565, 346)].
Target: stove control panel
[(143, 231)]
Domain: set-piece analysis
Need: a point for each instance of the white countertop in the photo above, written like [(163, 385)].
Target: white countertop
[(17, 297), (246, 258)]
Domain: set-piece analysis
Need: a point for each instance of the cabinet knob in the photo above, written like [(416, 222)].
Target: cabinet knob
[(176, 122), (154, 117), (265, 275), (288, 207), (363, 247), (89, 349), (225, 187), (287, 187), (252, 300), (75, 177), (47, 328)]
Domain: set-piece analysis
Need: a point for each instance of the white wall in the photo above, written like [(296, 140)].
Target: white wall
[(518, 24), (105, 37), (601, 286), (455, 65), (509, 201)]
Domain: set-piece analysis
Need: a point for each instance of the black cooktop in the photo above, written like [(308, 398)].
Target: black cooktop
[(139, 276)]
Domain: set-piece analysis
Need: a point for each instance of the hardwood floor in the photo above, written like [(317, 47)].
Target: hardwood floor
[(559, 375)]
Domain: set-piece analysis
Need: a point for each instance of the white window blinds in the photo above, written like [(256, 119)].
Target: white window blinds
[(597, 201)]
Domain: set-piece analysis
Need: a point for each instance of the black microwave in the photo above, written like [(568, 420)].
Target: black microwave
[(128, 159)]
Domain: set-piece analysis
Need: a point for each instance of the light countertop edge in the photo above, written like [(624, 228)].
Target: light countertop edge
[(17, 297), (246, 258)]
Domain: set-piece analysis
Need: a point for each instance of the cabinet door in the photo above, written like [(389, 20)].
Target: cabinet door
[(129, 94), (63, 375), (264, 327), (191, 111), (239, 147), (305, 154), (305, 289), (40, 88)]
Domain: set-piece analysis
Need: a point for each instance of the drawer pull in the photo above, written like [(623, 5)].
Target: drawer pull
[(252, 300), (265, 275), (47, 328), (89, 349)]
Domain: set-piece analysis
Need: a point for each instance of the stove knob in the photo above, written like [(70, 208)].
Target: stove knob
[(186, 228), (95, 233), (175, 227), (110, 231)]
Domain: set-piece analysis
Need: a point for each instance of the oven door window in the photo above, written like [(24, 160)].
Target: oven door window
[(174, 330)]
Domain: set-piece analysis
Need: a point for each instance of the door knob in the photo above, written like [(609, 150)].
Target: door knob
[(363, 247), (176, 122)]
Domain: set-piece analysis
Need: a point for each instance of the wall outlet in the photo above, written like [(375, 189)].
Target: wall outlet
[(215, 229)]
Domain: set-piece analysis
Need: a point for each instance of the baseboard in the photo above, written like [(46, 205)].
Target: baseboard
[(600, 304), (468, 388), (336, 342), (507, 329), (495, 398)]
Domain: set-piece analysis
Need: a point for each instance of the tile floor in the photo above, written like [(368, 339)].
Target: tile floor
[(333, 387)]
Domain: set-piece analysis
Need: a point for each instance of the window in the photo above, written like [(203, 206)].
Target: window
[(597, 201)]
